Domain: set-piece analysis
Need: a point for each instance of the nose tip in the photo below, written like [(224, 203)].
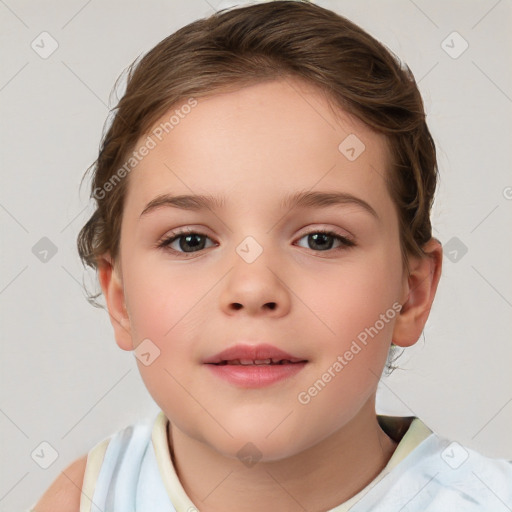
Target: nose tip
[(255, 289)]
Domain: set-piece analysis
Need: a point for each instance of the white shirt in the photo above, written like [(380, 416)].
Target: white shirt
[(132, 471)]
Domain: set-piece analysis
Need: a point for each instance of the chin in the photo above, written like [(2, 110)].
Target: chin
[(256, 445), (250, 452)]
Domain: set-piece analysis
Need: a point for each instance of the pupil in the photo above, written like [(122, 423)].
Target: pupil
[(321, 237), (193, 241)]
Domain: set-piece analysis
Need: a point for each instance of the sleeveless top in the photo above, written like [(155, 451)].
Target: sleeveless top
[(132, 471)]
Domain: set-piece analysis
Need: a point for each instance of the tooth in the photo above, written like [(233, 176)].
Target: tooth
[(234, 361), (262, 361), (246, 361)]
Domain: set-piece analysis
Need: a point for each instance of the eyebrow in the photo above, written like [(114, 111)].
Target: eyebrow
[(184, 202), (297, 200), (323, 199)]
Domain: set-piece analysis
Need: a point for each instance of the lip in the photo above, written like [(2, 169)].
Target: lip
[(254, 352), (254, 375)]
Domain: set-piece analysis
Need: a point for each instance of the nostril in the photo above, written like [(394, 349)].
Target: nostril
[(269, 305)]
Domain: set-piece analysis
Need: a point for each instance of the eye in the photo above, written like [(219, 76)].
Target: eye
[(323, 240), (184, 242), (187, 242)]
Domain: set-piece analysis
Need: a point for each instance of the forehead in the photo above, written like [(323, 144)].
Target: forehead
[(260, 143)]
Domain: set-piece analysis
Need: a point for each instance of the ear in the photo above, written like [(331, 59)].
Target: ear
[(419, 291), (112, 285)]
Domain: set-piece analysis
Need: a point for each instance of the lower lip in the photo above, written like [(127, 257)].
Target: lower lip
[(255, 376)]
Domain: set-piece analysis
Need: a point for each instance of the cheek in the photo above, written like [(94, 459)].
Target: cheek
[(165, 307), (162, 301), (170, 308), (345, 301), (358, 314)]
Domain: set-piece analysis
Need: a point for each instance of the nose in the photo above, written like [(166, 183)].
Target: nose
[(257, 288)]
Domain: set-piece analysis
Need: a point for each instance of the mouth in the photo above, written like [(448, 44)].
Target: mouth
[(246, 355), (258, 362), (254, 366)]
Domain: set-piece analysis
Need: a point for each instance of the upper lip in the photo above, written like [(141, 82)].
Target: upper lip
[(252, 352)]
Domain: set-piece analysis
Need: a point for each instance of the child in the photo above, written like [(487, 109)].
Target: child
[(262, 239)]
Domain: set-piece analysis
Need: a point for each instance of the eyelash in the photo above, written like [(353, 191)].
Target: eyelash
[(346, 243)]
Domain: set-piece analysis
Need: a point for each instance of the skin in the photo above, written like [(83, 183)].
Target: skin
[(255, 146)]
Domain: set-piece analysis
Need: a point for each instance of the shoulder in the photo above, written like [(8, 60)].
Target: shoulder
[(64, 493), (457, 475), (117, 457)]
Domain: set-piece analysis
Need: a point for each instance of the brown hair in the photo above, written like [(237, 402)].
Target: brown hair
[(243, 46)]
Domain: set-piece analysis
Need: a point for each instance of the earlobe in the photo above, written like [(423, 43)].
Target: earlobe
[(111, 283), (421, 287)]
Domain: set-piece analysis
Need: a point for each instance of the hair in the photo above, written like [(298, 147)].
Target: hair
[(281, 39)]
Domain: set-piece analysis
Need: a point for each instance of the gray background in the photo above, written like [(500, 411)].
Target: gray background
[(64, 380)]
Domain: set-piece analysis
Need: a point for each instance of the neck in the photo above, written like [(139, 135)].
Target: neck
[(317, 479)]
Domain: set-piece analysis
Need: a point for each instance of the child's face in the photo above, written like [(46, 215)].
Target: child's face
[(254, 148)]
